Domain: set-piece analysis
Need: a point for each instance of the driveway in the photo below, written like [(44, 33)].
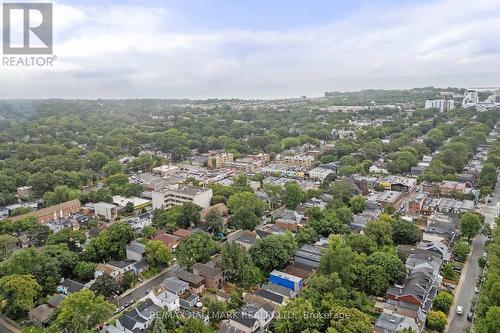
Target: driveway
[(141, 290)]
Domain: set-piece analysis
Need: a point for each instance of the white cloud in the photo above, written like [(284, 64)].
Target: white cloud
[(123, 51)]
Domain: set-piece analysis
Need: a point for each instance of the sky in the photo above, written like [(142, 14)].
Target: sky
[(261, 49)]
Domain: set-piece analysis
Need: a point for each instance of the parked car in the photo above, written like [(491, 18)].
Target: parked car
[(470, 315), (476, 290), (460, 310)]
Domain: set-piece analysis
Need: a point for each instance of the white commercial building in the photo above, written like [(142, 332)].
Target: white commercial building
[(106, 211), (178, 195)]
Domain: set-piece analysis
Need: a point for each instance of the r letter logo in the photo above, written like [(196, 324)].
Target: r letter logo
[(27, 28)]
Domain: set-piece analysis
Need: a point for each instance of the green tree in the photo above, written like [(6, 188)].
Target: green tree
[(198, 247), (193, 325), (273, 251), (216, 310), (492, 319), (380, 231), (73, 238), (392, 265), (167, 219), (343, 190), (247, 200), (352, 321), (436, 320), (462, 250), (190, 215), (7, 245), (405, 232), (20, 292), (238, 267), (357, 204), (148, 232), (245, 218), (294, 195), (61, 194), (297, 316), (84, 270), (361, 243), (157, 254), (470, 225), (112, 168), (374, 280), (306, 235), (81, 312), (443, 301), (110, 243), (106, 285), (213, 221)]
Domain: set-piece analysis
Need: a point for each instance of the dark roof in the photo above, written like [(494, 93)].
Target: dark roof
[(189, 277), (262, 233), (173, 284), (119, 263), (127, 322), (147, 308), (42, 312), (56, 300), (274, 288), (206, 270), (278, 299), (141, 264), (137, 247), (72, 286), (244, 319)]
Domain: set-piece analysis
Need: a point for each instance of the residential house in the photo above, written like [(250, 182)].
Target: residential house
[(213, 276), (220, 207), (266, 296), (196, 282), (286, 280), (140, 266), (170, 241), (308, 255), (68, 286), (161, 297), (135, 251), (112, 271), (175, 286), (392, 323), (41, 315), (288, 220), (253, 317)]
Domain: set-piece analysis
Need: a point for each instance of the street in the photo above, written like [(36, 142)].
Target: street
[(465, 290), (6, 327), (141, 290)]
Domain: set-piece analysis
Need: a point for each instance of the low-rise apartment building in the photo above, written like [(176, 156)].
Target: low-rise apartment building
[(219, 159), (178, 195)]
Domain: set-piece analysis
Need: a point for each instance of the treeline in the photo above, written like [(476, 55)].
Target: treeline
[(488, 306)]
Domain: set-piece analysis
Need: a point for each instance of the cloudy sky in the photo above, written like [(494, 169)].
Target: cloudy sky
[(261, 48)]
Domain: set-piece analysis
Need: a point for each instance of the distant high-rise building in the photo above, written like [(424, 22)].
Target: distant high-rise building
[(440, 104), (471, 98)]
